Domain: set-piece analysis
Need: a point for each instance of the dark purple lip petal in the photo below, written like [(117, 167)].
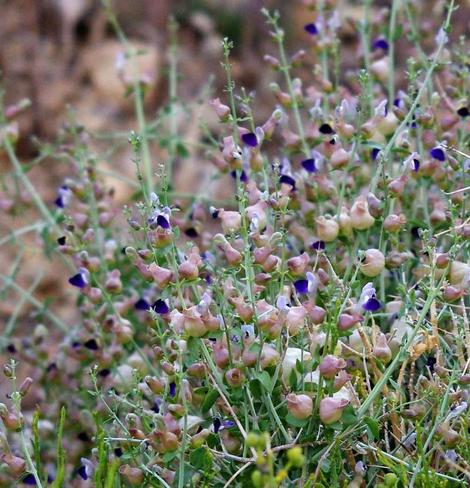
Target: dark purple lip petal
[(309, 165), (372, 305), (161, 307), (59, 202), (326, 129), (463, 112), (374, 153), (416, 164), (227, 424), (78, 280), (250, 139), (301, 286), (287, 180), (61, 241), (438, 153), (311, 29), (163, 222), (191, 232), (172, 389), (318, 245), (29, 480), (142, 304), (380, 43), (217, 423), (82, 472), (91, 344)]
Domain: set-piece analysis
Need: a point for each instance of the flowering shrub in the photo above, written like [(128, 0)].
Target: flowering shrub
[(313, 331)]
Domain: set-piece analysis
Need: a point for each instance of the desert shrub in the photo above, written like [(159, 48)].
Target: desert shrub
[(310, 330)]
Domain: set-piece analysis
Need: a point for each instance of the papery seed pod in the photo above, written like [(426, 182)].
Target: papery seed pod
[(380, 69), (299, 406), (222, 111), (451, 293), (295, 320), (340, 158), (235, 377), (381, 349), (196, 370), (134, 476), (448, 434), (347, 321), (331, 409), (15, 464), (298, 264), (372, 263), (269, 357), (330, 366), (394, 222), (361, 219), (326, 229)]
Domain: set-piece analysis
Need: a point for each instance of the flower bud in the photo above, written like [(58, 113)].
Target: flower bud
[(299, 406), (372, 263), (222, 111), (451, 293), (327, 229), (361, 219), (113, 283), (345, 222), (331, 365), (331, 409), (156, 385)]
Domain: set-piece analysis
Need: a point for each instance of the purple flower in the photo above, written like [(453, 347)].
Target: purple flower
[(163, 222), (79, 280), (172, 391), (61, 241), (287, 180), (82, 472), (438, 153), (301, 286), (142, 304), (63, 197), (309, 165), (311, 29), (326, 129), (374, 153), (463, 112), (415, 164), (160, 307), (372, 305), (318, 245), (380, 43), (217, 424), (250, 139)]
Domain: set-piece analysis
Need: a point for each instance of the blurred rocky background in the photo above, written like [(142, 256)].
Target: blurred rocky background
[(64, 53)]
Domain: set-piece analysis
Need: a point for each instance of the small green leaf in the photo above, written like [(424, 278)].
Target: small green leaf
[(349, 416), (210, 399), (373, 430), (201, 458), (265, 380), (296, 422)]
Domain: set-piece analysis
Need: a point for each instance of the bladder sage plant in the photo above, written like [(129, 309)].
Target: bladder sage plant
[(311, 330)]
